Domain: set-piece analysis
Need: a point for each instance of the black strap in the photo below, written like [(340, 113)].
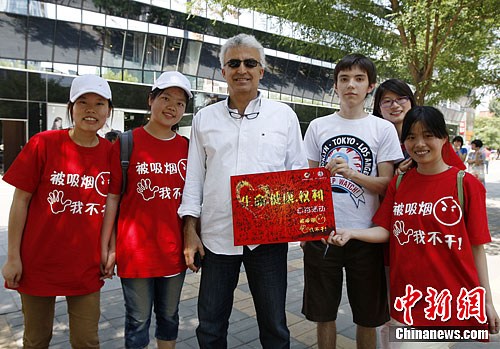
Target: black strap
[(126, 143)]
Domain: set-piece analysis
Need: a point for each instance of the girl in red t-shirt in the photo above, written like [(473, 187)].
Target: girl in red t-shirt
[(438, 274), (61, 179), (148, 242)]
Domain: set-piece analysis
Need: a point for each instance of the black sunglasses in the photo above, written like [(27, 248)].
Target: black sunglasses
[(249, 63)]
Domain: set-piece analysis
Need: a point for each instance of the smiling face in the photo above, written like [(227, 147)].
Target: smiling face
[(90, 111), (352, 86), (395, 113), (424, 147), (242, 80), (167, 108)]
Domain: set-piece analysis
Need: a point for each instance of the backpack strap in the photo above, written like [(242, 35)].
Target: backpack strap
[(398, 181), (126, 144), (460, 188)]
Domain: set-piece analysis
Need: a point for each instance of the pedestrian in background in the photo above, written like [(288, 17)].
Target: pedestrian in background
[(476, 160)]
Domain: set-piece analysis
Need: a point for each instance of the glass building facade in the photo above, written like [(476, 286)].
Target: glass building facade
[(46, 43)]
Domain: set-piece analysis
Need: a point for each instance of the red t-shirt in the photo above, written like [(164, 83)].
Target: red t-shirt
[(430, 247), (149, 241), (60, 248)]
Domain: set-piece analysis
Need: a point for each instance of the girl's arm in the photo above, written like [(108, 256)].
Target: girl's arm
[(108, 236), (373, 235), (13, 268), (482, 272)]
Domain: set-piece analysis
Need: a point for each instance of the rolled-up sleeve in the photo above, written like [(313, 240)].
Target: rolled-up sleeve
[(192, 195)]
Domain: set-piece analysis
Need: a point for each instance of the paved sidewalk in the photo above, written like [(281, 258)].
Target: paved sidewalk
[(243, 331)]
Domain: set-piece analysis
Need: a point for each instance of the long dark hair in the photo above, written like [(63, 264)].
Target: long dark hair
[(430, 117), (396, 86)]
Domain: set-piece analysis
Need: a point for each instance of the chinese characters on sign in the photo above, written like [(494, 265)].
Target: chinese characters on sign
[(282, 206)]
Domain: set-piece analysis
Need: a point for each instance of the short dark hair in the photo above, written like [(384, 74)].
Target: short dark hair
[(396, 86), (356, 60), (430, 117), (477, 142), (112, 135), (458, 139)]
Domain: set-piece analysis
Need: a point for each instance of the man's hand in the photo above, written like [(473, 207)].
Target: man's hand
[(192, 242)]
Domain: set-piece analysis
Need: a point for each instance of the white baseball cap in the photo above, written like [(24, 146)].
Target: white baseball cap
[(89, 84), (173, 79)]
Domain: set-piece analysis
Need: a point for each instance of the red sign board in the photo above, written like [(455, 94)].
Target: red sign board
[(462, 127), (282, 206)]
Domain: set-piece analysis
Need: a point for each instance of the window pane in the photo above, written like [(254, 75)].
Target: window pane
[(154, 51), (66, 45), (18, 6), (289, 77), (278, 74), (12, 84), (172, 51), (91, 44), (113, 47), (133, 96), (134, 49), (12, 110), (301, 83), (40, 39), (209, 60), (13, 36), (91, 6), (58, 87), (191, 57), (69, 3)]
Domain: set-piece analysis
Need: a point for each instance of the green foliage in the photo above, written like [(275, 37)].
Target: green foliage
[(487, 129), (494, 107), (111, 75), (445, 48)]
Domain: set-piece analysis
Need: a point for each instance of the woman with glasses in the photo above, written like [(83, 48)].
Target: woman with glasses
[(393, 99)]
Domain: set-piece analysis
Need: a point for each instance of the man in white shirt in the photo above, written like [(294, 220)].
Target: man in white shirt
[(240, 135)]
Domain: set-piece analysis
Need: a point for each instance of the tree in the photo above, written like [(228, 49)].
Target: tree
[(487, 129), (494, 107), (445, 48)]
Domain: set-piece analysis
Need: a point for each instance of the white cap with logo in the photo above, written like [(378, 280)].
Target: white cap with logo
[(89, 84), (173, 79)]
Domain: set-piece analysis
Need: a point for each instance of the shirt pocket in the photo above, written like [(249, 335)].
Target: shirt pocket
[(272, 148)]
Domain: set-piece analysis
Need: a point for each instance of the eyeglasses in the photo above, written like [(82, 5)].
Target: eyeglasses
[(387, 103), (249, 116), (249, 63)]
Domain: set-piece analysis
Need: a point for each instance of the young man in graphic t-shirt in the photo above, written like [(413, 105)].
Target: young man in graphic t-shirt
[(359, 149)]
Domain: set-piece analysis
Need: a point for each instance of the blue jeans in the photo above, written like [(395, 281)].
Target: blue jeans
[(266, 269), (140, 295)]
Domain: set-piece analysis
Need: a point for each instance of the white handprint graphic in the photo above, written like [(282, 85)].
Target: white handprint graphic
[(399, 231), (144, 188), (56, 201)]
